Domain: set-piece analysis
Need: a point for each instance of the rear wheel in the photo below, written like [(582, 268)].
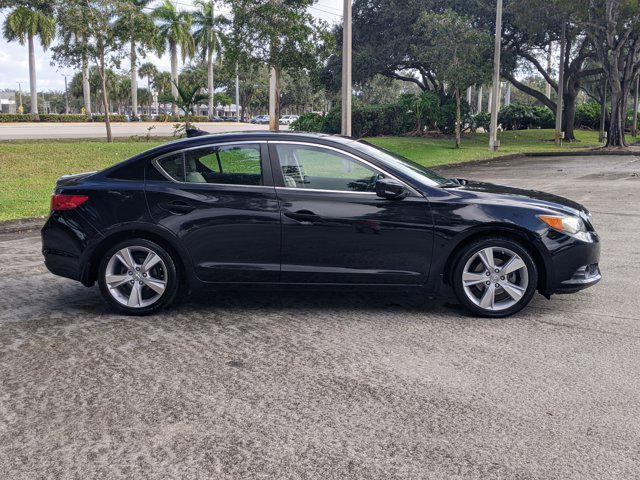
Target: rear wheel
[(138, 277), (495, 277)]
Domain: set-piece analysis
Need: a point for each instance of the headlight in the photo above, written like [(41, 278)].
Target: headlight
[(566, 224)]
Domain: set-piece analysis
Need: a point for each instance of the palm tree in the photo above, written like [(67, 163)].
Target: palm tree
[(26, 23), (188, 99), (73, 46), (137, 28), (208, 39), (149, 71), (175, 28)]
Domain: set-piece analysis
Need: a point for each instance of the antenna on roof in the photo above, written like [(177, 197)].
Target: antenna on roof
[(195, 132)]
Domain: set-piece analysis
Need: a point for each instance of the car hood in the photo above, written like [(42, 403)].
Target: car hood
[(533, 198)]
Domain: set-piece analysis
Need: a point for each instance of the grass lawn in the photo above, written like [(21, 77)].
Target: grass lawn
[(28, 169)]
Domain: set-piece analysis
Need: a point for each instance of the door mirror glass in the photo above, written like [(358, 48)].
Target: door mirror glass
[(390, 189)]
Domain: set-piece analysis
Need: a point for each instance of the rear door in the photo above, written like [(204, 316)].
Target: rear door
[(336, 230), (220, 201)]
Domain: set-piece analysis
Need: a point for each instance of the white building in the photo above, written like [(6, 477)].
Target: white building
[(8, 102)]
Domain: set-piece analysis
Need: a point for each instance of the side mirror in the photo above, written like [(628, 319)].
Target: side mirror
[(390, 189)]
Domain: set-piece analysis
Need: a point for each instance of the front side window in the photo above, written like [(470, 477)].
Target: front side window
[(316, 168), (222, 165)]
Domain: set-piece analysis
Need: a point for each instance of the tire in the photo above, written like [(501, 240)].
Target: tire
[(509, 289), (147, 268)]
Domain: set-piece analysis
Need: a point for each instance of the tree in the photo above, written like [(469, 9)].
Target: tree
[(207, 38), (614, 26), (188, 98), (72, 49), (175, 28), (25, 22), (105, 45), (137, 28), (281, 35), (455, 51), (149, 71)]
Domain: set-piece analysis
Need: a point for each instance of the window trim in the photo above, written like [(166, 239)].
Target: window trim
[(280, 179), (155, 162)]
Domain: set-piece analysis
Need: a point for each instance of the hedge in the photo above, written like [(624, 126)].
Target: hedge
[(113, 118), (16, 117), (64, 118)]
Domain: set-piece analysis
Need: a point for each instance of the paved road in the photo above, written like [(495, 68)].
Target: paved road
[(279, 386), (17, 131)]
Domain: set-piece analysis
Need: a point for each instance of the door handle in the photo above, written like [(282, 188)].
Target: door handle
[(303, 216), (181, 208)]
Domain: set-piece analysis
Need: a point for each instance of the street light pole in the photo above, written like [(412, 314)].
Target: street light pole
[(495, 96), (66, 95), (21, 108), (237, 95), (559, 104), (347, 37)]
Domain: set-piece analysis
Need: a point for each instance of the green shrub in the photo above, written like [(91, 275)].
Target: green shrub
[(309, 122), (113, 118), (543, 117), (481, 120), (516, 116), (588, 115), (63, 118), (447, 122), (16, 117)]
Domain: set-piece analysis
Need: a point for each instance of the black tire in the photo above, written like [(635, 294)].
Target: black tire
[(165, 299), (469, 251)]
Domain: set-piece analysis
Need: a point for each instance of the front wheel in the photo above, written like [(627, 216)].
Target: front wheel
[(495, 277), (138, 277)]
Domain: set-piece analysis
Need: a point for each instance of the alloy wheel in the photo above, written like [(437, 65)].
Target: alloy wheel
[(495, 278), (136, 277)]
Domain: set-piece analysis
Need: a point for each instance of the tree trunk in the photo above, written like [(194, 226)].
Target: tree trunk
[(105, 103), (32, 78), (634, 126), (458, 119), (615, 136), (174, 76), (211, 105), (134, 81), (569, 113), (274, 99), (86, 87), (603, 110)]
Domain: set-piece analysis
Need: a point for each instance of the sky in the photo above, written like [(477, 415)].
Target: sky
[(14, 65)]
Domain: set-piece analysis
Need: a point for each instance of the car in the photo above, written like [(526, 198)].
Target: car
[(260, 119), (298, 211), (288, 119)]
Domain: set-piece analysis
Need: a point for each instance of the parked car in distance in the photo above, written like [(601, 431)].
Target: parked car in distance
[(260, 119), (288, 119), (216, 118), (290, 210)]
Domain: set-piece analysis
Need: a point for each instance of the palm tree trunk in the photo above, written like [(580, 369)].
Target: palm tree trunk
[(86, 87), (174, 76), (32, 78), (150, 96), (274, 99), (134, 81), (210, 83), (105, 103)]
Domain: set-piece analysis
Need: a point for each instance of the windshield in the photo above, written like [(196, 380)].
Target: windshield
[(402, 164)]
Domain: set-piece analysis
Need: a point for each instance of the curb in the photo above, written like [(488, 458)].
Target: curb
[(562, 153), (23, 225)]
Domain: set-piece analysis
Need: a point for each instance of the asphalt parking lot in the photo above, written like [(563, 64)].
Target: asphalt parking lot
[(333, 386)]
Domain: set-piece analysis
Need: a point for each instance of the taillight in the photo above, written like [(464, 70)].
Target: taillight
[(67, 202)]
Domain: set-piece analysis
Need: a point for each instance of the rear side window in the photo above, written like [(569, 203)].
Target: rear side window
[(222, 165), (129, 171)]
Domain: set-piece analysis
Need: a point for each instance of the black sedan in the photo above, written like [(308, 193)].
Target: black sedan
[(286, 210)]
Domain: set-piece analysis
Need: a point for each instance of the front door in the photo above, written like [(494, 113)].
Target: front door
[(336, 230), (221, 202)]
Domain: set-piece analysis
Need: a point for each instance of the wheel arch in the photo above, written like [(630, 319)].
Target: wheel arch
[(521, 236), (153, 233)]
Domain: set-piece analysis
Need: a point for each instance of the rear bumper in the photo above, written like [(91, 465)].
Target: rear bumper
[(63, 242)]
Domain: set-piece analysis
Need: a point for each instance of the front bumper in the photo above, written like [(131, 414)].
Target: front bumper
[(573, 264)]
